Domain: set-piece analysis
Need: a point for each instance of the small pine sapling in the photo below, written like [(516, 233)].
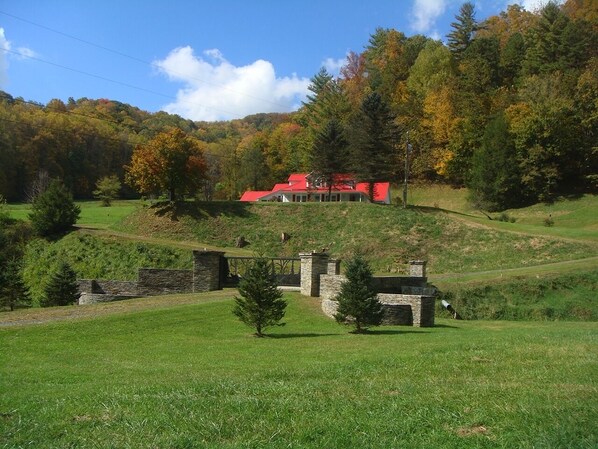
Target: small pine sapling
[(62, 289), (358, 303), (13, 291), (260, 304)]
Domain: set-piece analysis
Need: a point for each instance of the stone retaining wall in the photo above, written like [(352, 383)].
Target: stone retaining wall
[(154, 281), (94, 298), (399, 309)]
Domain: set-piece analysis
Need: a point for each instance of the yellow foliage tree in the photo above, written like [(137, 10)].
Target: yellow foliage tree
[(171, 162)]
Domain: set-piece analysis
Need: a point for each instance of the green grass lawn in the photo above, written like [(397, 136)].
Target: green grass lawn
[(152, 373), (93, 214)]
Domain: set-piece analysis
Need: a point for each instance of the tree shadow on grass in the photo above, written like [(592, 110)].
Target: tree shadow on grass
[(201, 209), (299, 335), (390, 332), (446, 326)]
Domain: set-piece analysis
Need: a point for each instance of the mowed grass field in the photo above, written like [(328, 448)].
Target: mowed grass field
[(181, 372)]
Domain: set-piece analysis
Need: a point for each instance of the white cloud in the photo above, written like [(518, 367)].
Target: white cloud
[(425, 13), (333, 66), (25, 53), (4, 47), (215, 89), (534, 5), (6, 53)]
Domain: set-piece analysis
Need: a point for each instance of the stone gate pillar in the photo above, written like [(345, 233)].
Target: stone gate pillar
[(417, 268), (312, 266), (207, 266)]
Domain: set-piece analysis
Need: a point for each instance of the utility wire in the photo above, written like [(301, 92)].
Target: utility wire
[(139, 60), (103, 78)]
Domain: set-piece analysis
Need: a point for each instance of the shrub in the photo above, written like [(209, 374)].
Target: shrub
[(54, 211), (506, 218), (107, 189)]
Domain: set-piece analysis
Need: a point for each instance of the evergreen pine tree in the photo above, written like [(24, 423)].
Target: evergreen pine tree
[(13, 291), (54, 212), (329, 153), (357, 300), (496, 178), (62, 290), (463, 30), (373, 138), (261, 304)]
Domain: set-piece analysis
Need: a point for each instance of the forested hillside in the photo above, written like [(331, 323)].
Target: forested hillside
[(507, 107)]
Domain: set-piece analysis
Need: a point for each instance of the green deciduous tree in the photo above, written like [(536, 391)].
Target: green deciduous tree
[(107, 189), (54, 212), (357, 301), (62, 289), (260, 304)]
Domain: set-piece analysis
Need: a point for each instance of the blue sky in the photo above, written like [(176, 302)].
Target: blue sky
[(204, 60)]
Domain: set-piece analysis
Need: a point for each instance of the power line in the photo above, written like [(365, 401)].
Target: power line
[(103, 78), (139, 60)]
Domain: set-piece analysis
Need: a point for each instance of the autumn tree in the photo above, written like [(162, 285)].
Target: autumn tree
[(260, 304), (171, 162)]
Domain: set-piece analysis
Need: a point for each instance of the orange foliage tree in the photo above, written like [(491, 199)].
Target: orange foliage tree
[(171, 162)]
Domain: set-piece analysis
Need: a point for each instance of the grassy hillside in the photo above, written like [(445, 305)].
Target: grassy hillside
[(191, 376), (389, 236)]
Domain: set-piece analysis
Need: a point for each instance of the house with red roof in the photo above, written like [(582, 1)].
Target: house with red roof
[(304, 187)]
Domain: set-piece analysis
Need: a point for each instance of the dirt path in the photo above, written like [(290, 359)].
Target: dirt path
[(38, 315), (183, 244)]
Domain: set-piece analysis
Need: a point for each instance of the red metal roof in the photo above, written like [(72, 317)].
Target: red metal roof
[(297, 182), (254, 195)]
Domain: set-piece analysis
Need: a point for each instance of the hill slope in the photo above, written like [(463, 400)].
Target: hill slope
[(389, 236)]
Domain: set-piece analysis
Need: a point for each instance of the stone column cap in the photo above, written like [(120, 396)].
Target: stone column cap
[(418, 262), (314, 253), (207, 251)]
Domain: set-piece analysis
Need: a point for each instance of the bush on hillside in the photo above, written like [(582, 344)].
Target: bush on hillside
[(54, 212)]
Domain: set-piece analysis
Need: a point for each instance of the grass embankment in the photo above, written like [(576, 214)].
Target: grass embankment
[(96, 258), (93, 214), (389, 236), (554, 297), (192, 376)]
